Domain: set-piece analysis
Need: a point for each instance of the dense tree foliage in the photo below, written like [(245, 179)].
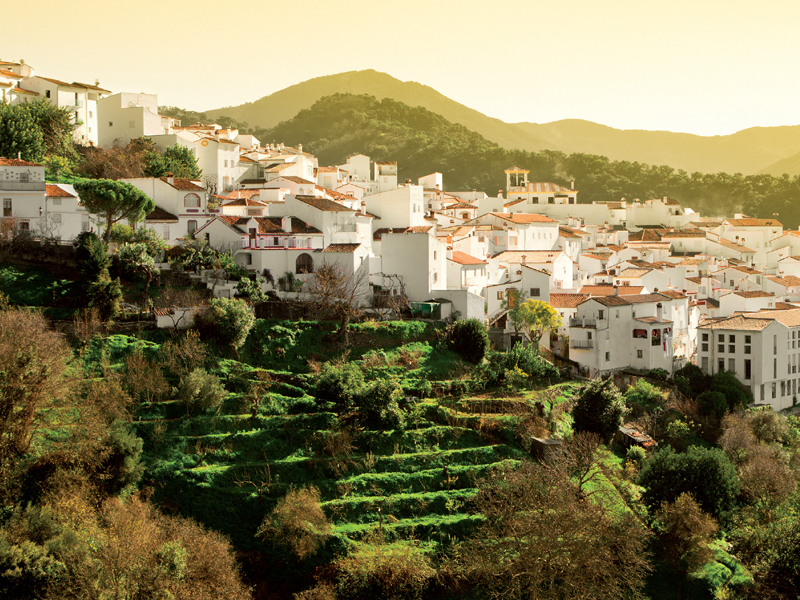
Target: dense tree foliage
[(113, 201), (599, 409)]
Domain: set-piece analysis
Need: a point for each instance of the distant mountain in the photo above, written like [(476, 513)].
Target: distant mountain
[(423, 142), (754, 150), (790, 165)]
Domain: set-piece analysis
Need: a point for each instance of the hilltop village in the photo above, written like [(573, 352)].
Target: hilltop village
[(638, 284)]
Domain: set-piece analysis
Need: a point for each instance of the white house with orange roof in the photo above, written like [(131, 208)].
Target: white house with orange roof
[(466, 272), (79, 98), (180, 198), (559, 267), (524, 231), (22, 192), (415, 260), (787, 286), (10, 92), (741, 301)]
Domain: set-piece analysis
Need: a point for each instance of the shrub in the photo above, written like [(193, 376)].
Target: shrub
[(201, 389), (713, 403), (599, 409), (691, 380), (298, 522), (658, 374), (519, 360), (469, 339), (378, 404), (229, 320), (726, 384), (637, 455), (391, 571), (340, 384), (644, 394)]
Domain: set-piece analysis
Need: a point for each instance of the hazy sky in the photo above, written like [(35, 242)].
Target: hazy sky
[(708, 67)]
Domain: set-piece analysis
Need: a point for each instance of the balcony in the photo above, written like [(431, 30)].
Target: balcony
[(21, 186), (581, 322), (339, 228), (581, 344)]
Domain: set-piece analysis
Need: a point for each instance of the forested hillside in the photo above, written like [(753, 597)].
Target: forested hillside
[(753, 150), (423, 142)]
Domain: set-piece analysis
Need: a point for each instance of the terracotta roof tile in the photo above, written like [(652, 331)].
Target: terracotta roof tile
[(523, 218), (323, 204), (342, 248), (15, 162), (750, 222), (608, 290), (182, 184), (463, 258), (567, 300), (159, 214), (54, 191)]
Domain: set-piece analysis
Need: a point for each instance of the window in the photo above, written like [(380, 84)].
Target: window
[(732, 339), (639, 354), (191, 227), (732, 365), (56, 201), (747, 349), (25, 226), (705, 364), (165, 234), (601, 314), (783, 388), (7, 207), (24, 177), (721, 338), (608, 356), (500, 295), (732, 349), (774, 368), (47, 93), (775, 344), (304, 264), (111, 123), (705, 337), (720, 365), (248, 259), (705, 347), (588, 335), (720, 347), (191, 201), (535, 292)]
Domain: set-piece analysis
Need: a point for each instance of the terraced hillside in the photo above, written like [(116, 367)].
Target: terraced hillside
[(228, 470)]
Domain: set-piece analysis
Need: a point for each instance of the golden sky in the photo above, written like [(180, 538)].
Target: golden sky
[(708, 67)]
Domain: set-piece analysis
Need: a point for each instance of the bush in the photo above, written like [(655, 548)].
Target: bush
[(229, 320), (469, 339), (378, 404), (637, 455), (713, 403), (705, 473), (643, 394), (599, 409), (525, 359), (658, 374), (201, 389), (726, 384), (340, 384), (691, 380)]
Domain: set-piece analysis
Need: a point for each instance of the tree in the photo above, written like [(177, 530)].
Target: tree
[(705, 473), (20, 135), (599, 409), (766, 480), (536, 317), (339, 292), (177, 160), (686, 532), (297, 521), (180, 298), (33, 360), (247, 288), (539, 540), (114, 201)]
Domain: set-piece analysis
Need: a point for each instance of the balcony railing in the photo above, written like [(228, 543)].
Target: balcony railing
[(582, 322), (21, 186), (581, 344)]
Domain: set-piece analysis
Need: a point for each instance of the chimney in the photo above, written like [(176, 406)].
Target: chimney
[(499, 193), (363, 207), (524, 260), (616, 290), (437, 186), (449, 253), (286, 224), (659, 312), (300, 148), (572, 184)]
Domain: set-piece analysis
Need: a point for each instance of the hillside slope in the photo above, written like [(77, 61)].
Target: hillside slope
[(749, 151)]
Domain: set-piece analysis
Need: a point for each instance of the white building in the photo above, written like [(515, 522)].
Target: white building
[(126, 116)]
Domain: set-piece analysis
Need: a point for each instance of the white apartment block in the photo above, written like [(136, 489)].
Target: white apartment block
[(761, 349)]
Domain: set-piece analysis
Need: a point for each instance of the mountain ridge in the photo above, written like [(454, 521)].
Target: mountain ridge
[(749, 151)]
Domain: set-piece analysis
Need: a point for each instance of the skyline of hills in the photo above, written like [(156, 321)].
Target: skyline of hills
[(757, 150)]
